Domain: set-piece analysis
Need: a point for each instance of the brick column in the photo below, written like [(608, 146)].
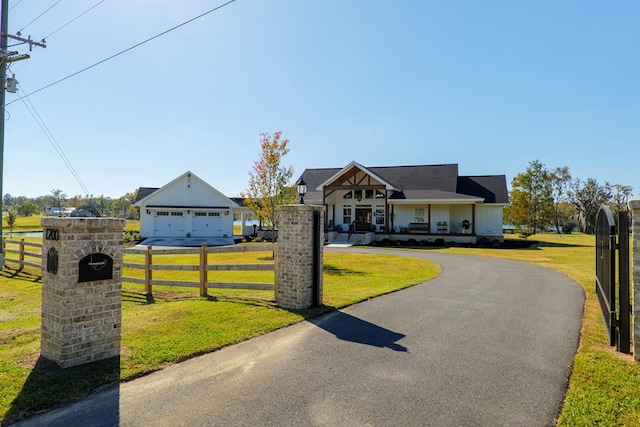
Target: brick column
[(81, 289), (634, 206), (294, 265)]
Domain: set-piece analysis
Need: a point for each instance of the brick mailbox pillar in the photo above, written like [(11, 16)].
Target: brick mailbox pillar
[(299, 256), (81, 289), (634, 206)]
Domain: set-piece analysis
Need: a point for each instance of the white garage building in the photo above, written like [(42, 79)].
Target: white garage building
[(187, 207)]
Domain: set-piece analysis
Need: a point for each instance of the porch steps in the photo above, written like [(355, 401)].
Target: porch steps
[(357, 238)]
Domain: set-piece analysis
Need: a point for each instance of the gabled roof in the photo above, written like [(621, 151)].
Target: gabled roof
[(492, 188), (348, 169), (145, 193), (418, 182)]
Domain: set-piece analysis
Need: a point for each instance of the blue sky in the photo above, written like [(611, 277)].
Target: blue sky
[(490, 85)]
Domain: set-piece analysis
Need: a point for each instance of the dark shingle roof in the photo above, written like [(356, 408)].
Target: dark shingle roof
[(144, 192), (422, 182), (492, 188)]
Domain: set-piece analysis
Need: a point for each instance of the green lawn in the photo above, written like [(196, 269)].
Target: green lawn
[(33, 223), (604, 388), (153, 332), (28, 223)]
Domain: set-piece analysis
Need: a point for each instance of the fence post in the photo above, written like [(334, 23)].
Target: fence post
[(21, 255), (203, 270), (148, 273), (4, 246)]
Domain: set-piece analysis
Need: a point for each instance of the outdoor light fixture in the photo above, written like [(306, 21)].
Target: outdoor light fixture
[(302, 189)]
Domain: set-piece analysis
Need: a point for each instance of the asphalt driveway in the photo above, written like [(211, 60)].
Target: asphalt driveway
[(489, 342)]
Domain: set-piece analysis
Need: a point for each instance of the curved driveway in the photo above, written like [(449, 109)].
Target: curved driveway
[(489, 342)]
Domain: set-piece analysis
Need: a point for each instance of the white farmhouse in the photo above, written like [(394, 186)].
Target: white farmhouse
[(421, 202), (186, 208)]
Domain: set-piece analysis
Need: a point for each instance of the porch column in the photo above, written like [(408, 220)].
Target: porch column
[(473, 219)]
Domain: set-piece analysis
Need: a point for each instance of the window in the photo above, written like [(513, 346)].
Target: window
[(214, 213), (379, 215), (201, 214), (419, 216), (348, 195), (368, 194), (357, 194), (176, 213), (346, 215), (162, 213), (379, 195)]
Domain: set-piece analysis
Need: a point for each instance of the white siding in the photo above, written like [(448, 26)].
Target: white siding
[(187, 192), (186, 195), (489, 220), (440, 213)]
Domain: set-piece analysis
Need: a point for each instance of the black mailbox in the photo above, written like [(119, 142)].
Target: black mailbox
[(96, 266)]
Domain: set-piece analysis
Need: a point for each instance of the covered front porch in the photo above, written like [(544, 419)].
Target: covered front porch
[(368, 237)]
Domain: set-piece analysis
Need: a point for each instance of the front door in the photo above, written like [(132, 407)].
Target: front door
[(363, 219)]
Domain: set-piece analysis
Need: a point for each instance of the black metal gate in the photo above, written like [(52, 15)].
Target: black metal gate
[(610, 239)]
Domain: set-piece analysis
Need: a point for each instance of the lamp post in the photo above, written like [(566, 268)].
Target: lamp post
[(302, 189)]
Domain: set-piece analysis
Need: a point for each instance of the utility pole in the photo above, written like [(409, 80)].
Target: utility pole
[(7, 57)]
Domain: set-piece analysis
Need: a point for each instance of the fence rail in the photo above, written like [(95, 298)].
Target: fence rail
[(28, 258), (22, 253), (203, 267)]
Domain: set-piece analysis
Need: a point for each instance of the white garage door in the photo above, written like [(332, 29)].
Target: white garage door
[(168, 224), (207, 224)]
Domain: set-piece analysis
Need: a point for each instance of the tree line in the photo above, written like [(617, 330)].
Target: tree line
[(99, 206), (543, 198)]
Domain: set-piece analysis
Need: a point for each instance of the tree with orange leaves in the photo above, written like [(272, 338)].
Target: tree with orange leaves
[(270, 182)]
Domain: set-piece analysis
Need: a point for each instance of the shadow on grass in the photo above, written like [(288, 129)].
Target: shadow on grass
[(10, 273), (137, 298), (561, 245), (336, 271), (49, 386)]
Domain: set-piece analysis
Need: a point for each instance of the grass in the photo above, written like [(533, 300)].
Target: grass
[(33, 223), (604, 388), (24, 224), (153, 331)]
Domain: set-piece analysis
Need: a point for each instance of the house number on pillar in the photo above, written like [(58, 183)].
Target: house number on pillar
[(52, 234)]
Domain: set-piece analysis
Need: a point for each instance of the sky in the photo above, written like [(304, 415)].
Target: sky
[(489, 85)]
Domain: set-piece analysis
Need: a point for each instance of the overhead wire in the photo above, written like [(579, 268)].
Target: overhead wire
[(47, 132), (127, 49), (39, 16), (79, 16), (17, 3)]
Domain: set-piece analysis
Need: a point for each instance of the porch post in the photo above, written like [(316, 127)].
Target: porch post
[(473, 219), (386, 211)]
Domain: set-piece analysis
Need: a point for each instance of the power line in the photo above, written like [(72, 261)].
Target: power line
[(79, 16), (39, 16), (126, 50), (43, 126), (17, 3)]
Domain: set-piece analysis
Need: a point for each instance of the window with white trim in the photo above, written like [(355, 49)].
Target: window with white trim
[(346, 214), (379, 215), (419, 215)]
